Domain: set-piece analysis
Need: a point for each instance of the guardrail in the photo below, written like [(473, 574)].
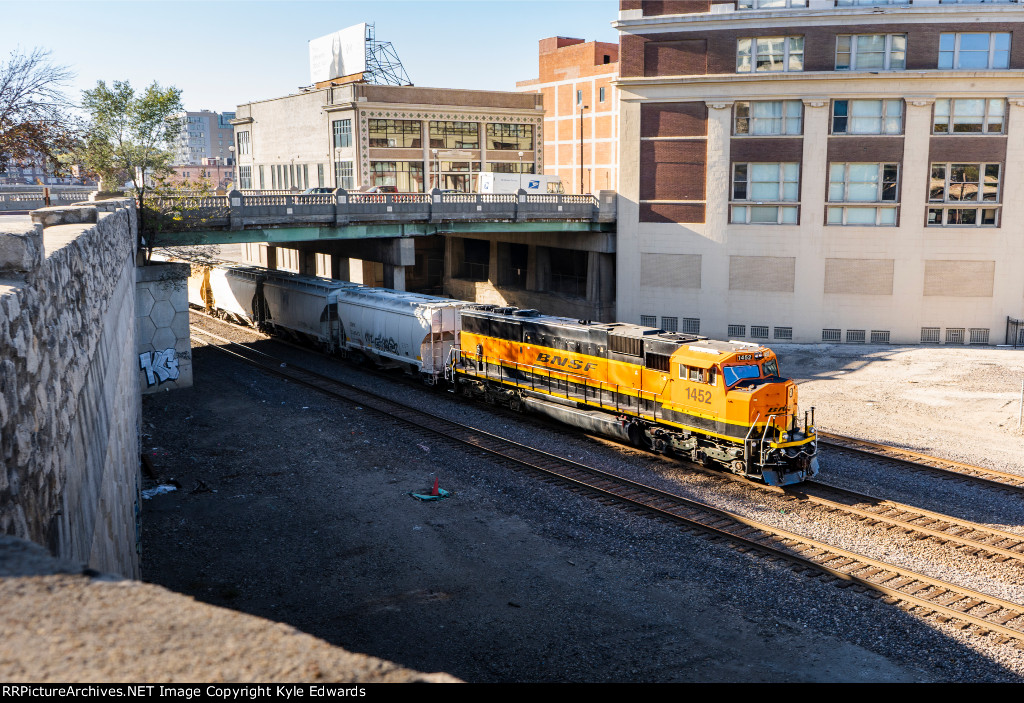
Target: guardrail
[(35, 199), (240, 209)]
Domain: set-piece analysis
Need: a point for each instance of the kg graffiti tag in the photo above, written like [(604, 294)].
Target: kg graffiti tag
[(159, 366)]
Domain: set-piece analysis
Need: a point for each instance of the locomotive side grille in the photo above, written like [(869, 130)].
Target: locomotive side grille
[(634, 346), (658, 362)]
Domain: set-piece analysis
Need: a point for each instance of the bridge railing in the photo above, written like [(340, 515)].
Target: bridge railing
[(240, 209)]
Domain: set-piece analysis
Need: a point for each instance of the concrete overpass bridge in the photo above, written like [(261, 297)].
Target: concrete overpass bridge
[(281, 217), (552, 252)]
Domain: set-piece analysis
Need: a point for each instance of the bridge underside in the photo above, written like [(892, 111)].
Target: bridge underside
[(309, 234)]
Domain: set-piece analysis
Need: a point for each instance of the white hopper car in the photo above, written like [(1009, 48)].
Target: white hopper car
[(393, 328)]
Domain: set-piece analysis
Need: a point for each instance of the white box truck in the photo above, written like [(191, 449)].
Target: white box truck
[(512, 182)]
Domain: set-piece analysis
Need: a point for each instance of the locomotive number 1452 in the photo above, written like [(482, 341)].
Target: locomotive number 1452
[(698, 395)]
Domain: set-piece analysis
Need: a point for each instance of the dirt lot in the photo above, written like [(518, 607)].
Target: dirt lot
[(295, 507)]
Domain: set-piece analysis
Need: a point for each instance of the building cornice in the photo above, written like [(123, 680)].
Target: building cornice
[(797, 77), (763, 20)]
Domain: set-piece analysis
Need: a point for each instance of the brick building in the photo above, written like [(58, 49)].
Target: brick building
[(576, 79), (822, 170), (217, 175), (206, 135)]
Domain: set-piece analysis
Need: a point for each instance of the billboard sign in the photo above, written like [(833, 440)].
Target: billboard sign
[(339, 54)]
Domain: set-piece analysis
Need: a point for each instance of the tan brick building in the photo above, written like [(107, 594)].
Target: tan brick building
[(822, 170), (576, 79)]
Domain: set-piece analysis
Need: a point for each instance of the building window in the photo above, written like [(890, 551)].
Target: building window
[(397, 176), (691, 325), (343, 175), (770, 117), (974, 50), (243, 143), (579, 97), (867, 117), (510, 137), (342, 130), (871, 52), (971, 194), (400, 134), (670, 324), (600, 95), (769, 54), (648, 320), (768, 4), (262, 182), (765, 184), (509, 167), (320, 175), (978, 116), (454, 135), (863, 183), (245, 177)]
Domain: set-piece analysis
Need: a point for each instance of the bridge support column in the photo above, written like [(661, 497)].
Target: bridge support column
[(271, 257), (394, 277), (340, 268), (600, 279), (307, 262)]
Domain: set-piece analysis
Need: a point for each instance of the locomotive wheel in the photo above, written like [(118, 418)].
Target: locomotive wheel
[(515, 403)]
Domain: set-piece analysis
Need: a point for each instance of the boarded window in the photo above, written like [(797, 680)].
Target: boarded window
[(670, 270), (762, 273), (965, 279), (859, 276)]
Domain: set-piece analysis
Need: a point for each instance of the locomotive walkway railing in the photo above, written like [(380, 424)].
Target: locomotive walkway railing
[(254, 209)]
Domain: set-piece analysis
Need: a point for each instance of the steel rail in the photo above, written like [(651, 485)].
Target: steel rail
[(935, 597), (955, 470)]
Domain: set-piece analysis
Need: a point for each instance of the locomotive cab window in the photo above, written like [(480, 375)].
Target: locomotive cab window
[(740, 372), (771, 367)]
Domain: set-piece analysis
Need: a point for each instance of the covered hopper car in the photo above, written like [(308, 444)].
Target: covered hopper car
[(715, 402)]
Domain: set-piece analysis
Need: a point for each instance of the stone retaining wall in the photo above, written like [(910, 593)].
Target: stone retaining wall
[(69, 395)]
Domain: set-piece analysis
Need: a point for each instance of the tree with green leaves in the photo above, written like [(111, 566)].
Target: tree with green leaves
[(129, 136), (35, 116)]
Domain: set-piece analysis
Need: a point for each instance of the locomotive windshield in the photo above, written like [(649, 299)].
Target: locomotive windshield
[(771, 367), (732, 374)]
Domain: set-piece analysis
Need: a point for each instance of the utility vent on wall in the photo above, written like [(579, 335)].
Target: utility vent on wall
[(879, 336), (783, 333), (736, 331), (831, 335), (979, 336), (759, 332), (855, 336), (929, 335)]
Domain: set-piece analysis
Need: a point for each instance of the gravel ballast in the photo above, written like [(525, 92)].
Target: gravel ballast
[(294, 507)]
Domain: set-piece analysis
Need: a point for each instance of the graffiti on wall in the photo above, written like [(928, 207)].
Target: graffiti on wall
[(159, 366)]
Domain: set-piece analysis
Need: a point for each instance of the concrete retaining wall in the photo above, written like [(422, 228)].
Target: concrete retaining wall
[(69, 400), (165, 346)]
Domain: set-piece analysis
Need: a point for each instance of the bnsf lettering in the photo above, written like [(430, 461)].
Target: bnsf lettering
[(565, 361)]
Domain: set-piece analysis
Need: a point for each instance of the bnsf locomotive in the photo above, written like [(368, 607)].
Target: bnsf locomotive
[(714, 402)]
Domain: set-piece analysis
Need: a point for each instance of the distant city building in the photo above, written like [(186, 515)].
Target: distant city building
[(37, 172), (398, 138), (576, 79), (205, 135), (822, 170), (216, 175)]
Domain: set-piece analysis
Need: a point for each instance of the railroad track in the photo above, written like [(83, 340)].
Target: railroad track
[(923, 595), (947, 469)]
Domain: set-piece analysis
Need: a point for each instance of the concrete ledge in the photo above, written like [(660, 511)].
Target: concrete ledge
[(162, 272), (64, 215), (59, 624), (21, 252)]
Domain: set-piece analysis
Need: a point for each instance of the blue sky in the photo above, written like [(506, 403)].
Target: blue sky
[(221, 53)]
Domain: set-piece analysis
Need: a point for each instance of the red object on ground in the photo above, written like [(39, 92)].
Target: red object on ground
[(433, 491)]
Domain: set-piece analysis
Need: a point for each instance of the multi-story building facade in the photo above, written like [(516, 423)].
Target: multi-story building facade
[(205, 135), (400, 138), (581, 112), (822, 170), (406, 139), (216, 175)]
